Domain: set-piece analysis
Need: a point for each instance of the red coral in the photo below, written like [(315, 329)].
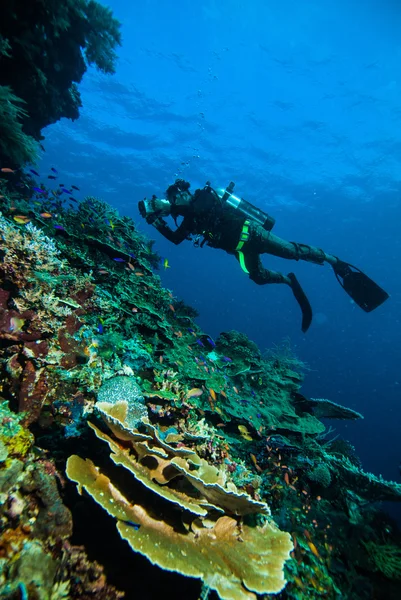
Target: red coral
[(33, 391), (74, 352)]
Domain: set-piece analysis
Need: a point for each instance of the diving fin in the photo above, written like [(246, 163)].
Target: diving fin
[(303, 302), (363, 290)]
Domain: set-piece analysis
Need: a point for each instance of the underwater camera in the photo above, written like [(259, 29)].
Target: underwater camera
[(246, 208), (154, 208)]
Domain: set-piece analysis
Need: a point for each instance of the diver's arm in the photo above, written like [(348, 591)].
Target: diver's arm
[(177, 236)]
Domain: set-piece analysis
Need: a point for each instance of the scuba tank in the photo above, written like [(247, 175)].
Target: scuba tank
[(247, 209)]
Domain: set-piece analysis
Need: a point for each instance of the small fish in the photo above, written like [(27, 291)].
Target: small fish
[(211, 342), (39, 190), (7, 170), (74, 187), (212, 393), (100, 328), (131, 266), (171, 307), (51, 177), (103, 272), (165, 264), (73, 199), (21, 219), (245, 433), (235, 389), (65, 190), (161, 359), (34, 172), (227, 359), (194, 393), (61, 185), (59, 227), (54, 170), (313, 549), (198, 341), (46, 215), (139, 274), (118, 259), (55, 194), (16, 324), (287, 478)]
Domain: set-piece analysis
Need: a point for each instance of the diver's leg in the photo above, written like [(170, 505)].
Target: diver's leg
[(262, 276), (268, 243)]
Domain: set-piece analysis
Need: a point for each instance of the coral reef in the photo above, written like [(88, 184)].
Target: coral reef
[(203, 449)]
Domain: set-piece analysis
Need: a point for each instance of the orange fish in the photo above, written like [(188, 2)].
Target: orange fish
[(171, 307), (7, 170), (139, 274), (287, 478), (223, 393), (161, 359), (235, 389), (46, 215), (21, 219), (212, 393), (255, 462), (313, 549), (131, 266), (134, 310)]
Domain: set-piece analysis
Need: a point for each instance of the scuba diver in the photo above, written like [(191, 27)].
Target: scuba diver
[(222, 220)]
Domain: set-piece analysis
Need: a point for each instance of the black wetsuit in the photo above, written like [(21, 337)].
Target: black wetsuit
[(205, 214)]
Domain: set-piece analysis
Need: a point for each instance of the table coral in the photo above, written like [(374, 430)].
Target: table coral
[(232, 555)]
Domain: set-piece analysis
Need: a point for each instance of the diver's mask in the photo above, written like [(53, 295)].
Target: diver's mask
[(154, 208)]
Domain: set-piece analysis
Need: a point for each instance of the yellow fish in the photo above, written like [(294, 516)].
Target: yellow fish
[(165, 263)]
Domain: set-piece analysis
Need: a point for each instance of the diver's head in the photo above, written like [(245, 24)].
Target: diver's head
[(178, 193), (154, 208)]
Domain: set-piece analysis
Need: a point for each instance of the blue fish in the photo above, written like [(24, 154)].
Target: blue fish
[(190, 330), (54, 170), (200, 343), (227, 359), (35, 189), (253, 393), (100, 328), (259, 415), (118, 259), (59, 227), (34, 172), (65, 191), (211, 342)]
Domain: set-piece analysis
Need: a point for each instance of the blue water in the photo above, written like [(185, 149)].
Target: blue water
[(299, 104)]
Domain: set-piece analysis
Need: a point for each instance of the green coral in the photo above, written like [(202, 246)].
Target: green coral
[(385, 558), (16, 145), (45, 49), (321, 475)]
